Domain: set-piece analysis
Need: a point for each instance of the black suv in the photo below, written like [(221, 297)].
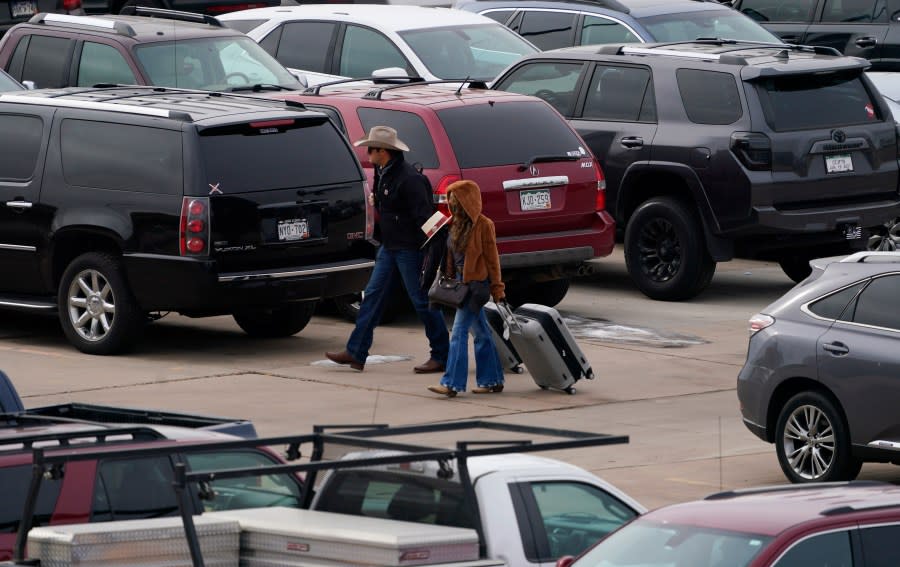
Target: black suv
[(716, 149), (123, 203), (864, 28), (165, 48)]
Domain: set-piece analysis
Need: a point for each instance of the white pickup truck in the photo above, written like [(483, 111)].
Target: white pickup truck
[(522, 510)]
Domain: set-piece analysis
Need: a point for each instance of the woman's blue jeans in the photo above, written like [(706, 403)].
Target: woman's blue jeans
[(488, 371)]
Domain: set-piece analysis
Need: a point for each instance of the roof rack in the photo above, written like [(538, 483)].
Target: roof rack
[(314, 90), (63, 439), (91, 105), (120, 28), (862, 257), (776, 488), (375, 94), (132, 10), (724, 56), (610, 4), (353, 435)]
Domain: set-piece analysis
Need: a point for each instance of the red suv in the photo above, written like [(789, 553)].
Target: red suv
[(540, 184), (823, 525)]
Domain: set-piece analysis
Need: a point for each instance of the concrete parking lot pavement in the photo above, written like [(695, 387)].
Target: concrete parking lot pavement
[(665, 377)]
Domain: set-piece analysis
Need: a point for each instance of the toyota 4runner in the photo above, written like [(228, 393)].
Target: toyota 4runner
[(122, 203), (716, 149)]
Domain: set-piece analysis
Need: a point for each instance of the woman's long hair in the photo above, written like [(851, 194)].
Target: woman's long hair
[(461, 228)]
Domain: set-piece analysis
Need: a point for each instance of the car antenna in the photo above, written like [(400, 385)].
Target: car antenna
[(459, 90)]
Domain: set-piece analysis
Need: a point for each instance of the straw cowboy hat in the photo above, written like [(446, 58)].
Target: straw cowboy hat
[(382, 137)]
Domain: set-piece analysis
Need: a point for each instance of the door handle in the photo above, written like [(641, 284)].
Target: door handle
[(838, 349), (632, 142), (21, 205), (866, 42)]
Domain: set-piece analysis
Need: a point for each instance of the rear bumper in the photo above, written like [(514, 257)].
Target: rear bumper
[(194, 285), (559, 248), (826, 219)]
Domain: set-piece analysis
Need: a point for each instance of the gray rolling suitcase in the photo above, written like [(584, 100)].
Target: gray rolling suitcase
[(548, 349), (509, 357)]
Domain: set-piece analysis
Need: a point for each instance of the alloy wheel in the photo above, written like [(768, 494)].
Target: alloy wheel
[(887, 239), (809, 443), (92, 305), (660, 250)]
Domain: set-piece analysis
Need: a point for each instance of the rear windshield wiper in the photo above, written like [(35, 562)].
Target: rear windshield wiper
[(547, 158), (260, 87)]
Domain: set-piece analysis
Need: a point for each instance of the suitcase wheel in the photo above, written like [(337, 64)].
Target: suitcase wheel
[(590, 375), (517, 369), (570, 390)]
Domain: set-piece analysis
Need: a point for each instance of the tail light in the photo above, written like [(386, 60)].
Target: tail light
[(759, 322), (440, 194), (193, 234), (70, 5), (753, 149), (600, 202)]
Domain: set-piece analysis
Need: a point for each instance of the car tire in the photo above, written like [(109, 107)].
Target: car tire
[(275, 322), (813, 442), (885, 238), (665, 251), (549, 293), (796, 266), (97, 310)]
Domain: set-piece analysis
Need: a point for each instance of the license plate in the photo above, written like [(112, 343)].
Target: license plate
[(538, 200), (293, 229), (838, 163), (23, 8)]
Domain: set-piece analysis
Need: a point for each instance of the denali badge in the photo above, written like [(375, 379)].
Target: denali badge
[(838, 136)]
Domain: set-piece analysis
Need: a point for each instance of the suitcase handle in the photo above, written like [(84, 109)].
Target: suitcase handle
[(509, 319)]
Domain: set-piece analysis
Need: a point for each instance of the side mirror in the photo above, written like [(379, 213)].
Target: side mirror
[(30, 85), (565, 561), (393, 73)]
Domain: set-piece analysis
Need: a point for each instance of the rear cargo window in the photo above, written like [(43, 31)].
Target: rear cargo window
[(832, 306), (306, 154), (506, 133), (806, 102), (709, 97), (410, 128), (121, 157), (14, 483)]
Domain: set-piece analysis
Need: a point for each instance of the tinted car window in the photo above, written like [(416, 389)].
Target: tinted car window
[(499, 15), (617, 93), (487, 135), (552, 81), (833, 306), (410, 128), (688, 26), (872, 304), (134, 489), (778, 10), (832, 549), (20, 138), (709, 97), (243, 26), (575, 515), (321, 156), (604, 30), (122, 157), (365, 50), (101, 63), (14, 483), (547, 29), (45, 62), (246, 492), (856, 11), (880, 546), (800, 102), (306, 46)]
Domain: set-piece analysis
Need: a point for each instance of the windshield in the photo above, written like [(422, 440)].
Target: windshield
[(649, 544), (212, 64), (478, 51), (688, 26)]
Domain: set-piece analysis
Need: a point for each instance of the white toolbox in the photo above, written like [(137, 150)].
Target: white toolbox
[(157, 542), (288, 537)]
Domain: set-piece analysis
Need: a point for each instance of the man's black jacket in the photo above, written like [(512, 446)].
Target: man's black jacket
[(404, 202)]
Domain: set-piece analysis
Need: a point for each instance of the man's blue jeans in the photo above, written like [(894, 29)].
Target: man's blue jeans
[(408, 263), (488, 371)]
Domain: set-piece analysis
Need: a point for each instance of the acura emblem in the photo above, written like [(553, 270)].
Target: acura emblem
[(534, 171), (838, 136)]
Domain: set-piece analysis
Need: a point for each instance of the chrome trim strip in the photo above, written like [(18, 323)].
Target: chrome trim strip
[(310, 272), (671, 52), (21, 304), (88, 105), (535, 182), (882, 444), (19, 247)]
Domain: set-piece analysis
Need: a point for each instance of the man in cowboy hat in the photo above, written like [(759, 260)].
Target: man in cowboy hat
[(404, 202)]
